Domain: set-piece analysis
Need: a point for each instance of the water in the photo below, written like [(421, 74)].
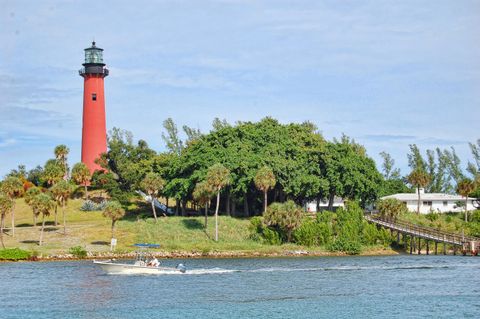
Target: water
[(325, 287)]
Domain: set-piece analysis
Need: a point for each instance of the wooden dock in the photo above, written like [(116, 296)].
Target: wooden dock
[(416, 233)]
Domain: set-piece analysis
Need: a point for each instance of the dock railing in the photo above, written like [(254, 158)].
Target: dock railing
[(421, 231)]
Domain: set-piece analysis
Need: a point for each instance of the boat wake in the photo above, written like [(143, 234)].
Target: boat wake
[(212, 271)]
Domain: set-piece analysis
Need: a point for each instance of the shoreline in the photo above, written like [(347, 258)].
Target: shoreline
[(215, 254)]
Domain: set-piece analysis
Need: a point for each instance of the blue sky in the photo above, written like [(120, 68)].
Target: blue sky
[(387, 73)]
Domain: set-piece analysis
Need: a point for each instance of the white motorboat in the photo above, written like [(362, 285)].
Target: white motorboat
[(144, 264), (112, 267)]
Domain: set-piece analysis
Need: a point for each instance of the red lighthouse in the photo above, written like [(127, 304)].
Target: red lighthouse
[(94, 133)]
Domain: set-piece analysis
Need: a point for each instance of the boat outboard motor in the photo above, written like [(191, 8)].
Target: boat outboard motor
[(182, 268)]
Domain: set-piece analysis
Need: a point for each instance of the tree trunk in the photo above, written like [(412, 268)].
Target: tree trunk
[(41, 231), (166, 203), (206, 215), (64, 219), (113, 228), (245, 205), (56, 219), (318, 204), (265, 203), (466, 210), (86, 191), (227, 205), (177, 206), (216, 216), (331, 198), (234, 206), (184, 206), (153, 208), (1, 230), (13, 219), (418, 202), (34, 219)]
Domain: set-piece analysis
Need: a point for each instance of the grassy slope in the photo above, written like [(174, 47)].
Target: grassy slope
[(176, 234)]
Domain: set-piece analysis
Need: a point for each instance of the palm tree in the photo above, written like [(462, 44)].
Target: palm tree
[(81, 175), (464, 188), (419, 179), (114, 211), (202, 194), (264, 180), (152, 184), (5, 206), (53, 172), (29, 196), (13, 188), (61, 192), (61, 153), (43, 204), (218, 176)]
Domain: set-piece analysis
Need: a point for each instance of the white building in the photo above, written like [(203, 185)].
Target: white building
[(311, 207), (433, 202)]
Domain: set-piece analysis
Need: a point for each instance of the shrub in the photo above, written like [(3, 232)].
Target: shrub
[(88, 206), (102, 205), (271, 236), (307, 233), (370, 234), (285, 217), (14, 254), (448, 219), (313, 233), (432, 216), (78, 252), (349, 247), (256, 228), (391, 208), (475, 216), (474, 229), (261, 232)]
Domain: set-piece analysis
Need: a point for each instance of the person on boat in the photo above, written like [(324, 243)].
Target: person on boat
[(153, 262)]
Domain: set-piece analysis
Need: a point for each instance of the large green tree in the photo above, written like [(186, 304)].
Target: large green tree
[(13, 188), (351, 174), (127, 161), (218, 176), (393, 182)]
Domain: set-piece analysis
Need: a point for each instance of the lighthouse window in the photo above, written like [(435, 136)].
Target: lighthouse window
[(94, 96)]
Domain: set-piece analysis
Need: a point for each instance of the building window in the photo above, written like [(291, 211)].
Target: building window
[(94, 96), (429, 203), (445, 203)]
